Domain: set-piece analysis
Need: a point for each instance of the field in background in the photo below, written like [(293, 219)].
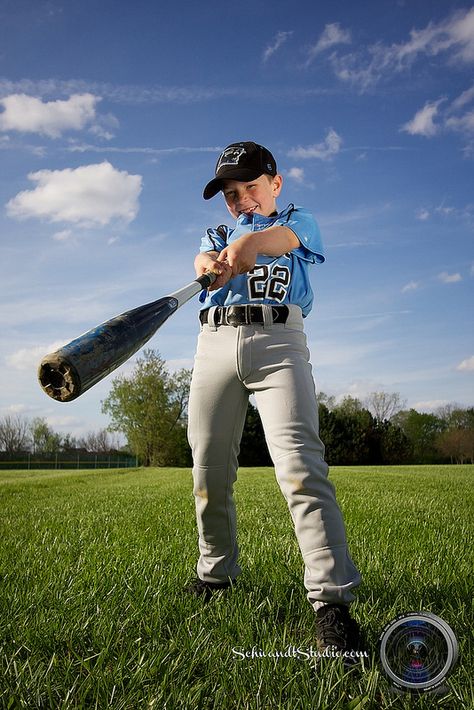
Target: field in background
[(93, 615)]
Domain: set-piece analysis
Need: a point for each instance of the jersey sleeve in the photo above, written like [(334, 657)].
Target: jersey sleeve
[(215, 239), (303, 224)]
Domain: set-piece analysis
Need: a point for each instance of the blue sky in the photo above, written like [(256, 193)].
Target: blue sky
[(112, 116)]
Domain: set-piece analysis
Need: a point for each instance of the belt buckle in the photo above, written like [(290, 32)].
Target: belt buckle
[(236, 315), (229, 316)]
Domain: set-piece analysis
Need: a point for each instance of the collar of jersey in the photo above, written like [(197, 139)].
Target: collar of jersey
[(255, 218)]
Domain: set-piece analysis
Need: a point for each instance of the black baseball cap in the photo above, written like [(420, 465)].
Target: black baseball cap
[(241, 161)]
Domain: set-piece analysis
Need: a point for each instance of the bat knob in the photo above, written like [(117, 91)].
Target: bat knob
[(207, 279), (58, 380)]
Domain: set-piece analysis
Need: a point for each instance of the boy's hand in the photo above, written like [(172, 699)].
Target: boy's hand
[(207, 261), (224, 274), (241, 255)]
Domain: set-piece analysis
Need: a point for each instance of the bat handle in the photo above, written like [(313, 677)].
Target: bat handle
[(206, 279)]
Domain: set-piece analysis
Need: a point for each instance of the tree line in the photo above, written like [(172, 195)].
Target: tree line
[(19, 434), (148, 408)]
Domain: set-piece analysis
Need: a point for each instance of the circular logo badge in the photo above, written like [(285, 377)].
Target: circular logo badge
[(418, 650)]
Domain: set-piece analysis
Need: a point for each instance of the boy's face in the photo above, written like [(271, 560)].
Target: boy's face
[(257, 196)]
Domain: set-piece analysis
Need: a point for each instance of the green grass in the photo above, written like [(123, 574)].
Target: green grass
[(93, 615)]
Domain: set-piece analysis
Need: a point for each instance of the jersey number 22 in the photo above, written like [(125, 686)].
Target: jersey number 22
[(266, 282)]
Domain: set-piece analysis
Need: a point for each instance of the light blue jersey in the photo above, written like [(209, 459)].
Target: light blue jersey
[(274, 280)]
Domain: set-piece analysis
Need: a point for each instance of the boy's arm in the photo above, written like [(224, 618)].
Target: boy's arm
[(241, 255), (207, 261)]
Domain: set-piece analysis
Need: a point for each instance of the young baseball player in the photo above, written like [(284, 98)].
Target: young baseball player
[(252, 342)]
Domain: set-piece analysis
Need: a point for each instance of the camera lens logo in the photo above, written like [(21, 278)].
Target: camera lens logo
[(418, 650)]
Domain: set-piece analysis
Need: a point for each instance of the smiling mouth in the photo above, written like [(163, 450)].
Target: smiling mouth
[(248, 210)]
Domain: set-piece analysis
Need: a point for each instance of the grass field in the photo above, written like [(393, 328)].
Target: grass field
[(93, 614)]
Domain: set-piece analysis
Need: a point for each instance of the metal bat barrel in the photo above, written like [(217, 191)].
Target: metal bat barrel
[(70, 371), (74, 368)]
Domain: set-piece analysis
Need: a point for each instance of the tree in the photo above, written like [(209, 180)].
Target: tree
[(348, 405), (348, 433), (457, 444), (14, 433), (149, 408), (384, 405), (69, 443), (456, 417), (422, 430), (394, 447), (44, 439), (329, 401), (99, 442)]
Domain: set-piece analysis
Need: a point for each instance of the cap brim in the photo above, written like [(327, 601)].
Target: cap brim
[(215, 185)]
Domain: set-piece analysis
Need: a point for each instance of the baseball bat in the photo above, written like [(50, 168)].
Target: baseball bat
[(70, 371)]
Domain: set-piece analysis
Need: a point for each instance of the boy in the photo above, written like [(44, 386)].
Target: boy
[(252, 341)]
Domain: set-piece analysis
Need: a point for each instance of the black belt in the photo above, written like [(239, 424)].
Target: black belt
[(244, 315)]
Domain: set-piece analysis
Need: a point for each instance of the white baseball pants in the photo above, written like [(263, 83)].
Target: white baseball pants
[(271, 361)]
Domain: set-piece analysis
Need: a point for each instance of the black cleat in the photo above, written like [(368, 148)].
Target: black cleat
[(200, 588), (338, 632)]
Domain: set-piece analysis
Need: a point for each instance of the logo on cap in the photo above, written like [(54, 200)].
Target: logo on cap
[(230, 156)]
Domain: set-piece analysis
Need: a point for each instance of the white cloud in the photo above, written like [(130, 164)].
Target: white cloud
[(279, 39), (90, 194), (422, 124), (360, 389), (452, 118), (28, 114), (445, 211), (64, 235), (422, 214), (296, 174), (466, 365), (453, 37), (455, 34), (17, 409), (120, 93), (465, 98), (14, 145), (29, 358), (145, 94), (104, 126), (332, 35), (446, 278), (410, 286), (464, 124), (460, 33), (63, 421), (325, 150), (88, 148), (430, 405)]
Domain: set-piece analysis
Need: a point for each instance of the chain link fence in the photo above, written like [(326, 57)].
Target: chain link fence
[(66, 460)]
